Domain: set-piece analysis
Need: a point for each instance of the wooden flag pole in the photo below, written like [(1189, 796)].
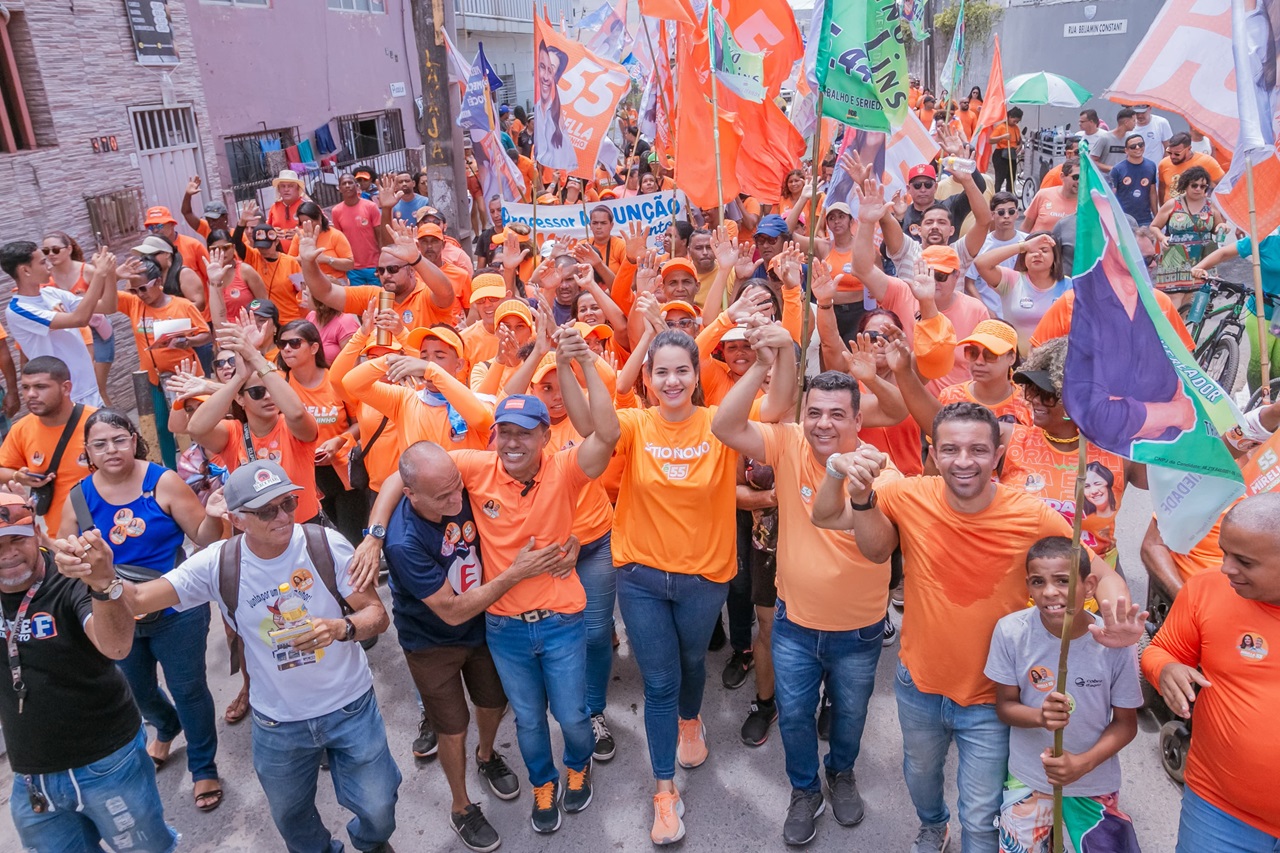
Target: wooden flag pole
[(806, 300), (1068, 625), (1264, 348), (533, 142)]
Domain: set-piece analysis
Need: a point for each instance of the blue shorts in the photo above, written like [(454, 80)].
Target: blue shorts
[(364, 276), (104, 352)]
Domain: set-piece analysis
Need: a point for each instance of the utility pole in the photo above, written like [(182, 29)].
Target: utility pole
[(442, 138)]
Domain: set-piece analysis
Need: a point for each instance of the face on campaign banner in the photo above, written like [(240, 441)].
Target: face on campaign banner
[(576, 93)]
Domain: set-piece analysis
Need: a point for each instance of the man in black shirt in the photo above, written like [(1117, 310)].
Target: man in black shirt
[(81, 772)]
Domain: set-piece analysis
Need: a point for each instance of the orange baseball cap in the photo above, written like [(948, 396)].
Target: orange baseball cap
[(181, 403), (441, 333), (679, 264), (488, 285), (513, 308), (545, 366), (159, 216), (602, 331), (679, 305), (942, 258), (430, 229), (373, 349), (995, 335)]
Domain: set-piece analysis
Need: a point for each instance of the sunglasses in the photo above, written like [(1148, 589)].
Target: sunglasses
[(940, 276), (391, 270), (155, 229), (293, 343), (256, 392), (1007, 211), (220, 363), (1136, 145), (1070, 177), (972, 351), (52, 250), (1149, 260), (683, 325), (1198, 185), (270, 511), (874, 336), (922, 185), (1034, 393), (141, 288)]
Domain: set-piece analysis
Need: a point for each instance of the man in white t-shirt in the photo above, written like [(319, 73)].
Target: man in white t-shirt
[(1155, 130), (1004, 232), (47, 321), (310, 693), (1091, 132)]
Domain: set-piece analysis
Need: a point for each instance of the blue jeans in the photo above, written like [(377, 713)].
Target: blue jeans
[(91, 803), (803, 658), (929, 723), (362, 276), (669, 619), (287, 756), (1203, 826), (600, 580), (177, 643), (544, 664)]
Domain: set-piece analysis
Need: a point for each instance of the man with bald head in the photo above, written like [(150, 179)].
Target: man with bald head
[(438, 603), (1220, 637)]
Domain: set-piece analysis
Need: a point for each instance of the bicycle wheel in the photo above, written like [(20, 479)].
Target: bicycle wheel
[(1222, 361), (1256, 399)]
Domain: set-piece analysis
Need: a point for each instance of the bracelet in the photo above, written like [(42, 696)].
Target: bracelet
[(834, 472), (829, 307), (421, 258)]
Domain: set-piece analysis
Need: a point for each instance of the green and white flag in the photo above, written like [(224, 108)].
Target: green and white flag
[(1131, 386), (859, 63), (953, 68), (737, 69)]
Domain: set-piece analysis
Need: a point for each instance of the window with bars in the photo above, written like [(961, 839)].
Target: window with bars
[(246, 154), (369, 134), (373, 6), (165, 128), (17, 74), (259, 4), (116, 215)]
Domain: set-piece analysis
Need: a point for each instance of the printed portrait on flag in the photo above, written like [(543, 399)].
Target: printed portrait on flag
[(576, 93)]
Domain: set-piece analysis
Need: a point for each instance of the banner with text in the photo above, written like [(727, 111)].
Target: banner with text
[(654, 211)]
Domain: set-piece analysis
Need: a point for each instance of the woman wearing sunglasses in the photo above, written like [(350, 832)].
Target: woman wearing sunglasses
[(145, 511), (1190, 222), (67, 271), (991, 351)]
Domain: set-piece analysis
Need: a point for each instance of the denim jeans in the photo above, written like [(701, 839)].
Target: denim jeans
[(929, 723), (287, 756), (177, 643), (114, 799), (600, 580), (1203, 826), (544, 664), (803, 658), (669, 619)]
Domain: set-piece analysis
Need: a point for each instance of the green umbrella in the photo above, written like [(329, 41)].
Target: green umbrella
[(1045, 89)]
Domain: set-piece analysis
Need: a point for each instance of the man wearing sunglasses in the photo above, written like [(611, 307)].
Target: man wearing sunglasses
[(1134, 180), (312, 694), (922, 187), (1053, 204)]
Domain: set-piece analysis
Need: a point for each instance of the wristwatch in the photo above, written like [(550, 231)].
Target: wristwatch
[(270, 367), (350, 632), (114, 590), (377, 531), (872, 499)]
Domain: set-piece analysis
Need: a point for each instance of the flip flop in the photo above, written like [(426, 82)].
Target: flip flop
[(238, 709), (209, 800)]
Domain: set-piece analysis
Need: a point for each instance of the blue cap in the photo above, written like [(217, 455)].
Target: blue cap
[(523, 410), (503, 110), (771, 225)]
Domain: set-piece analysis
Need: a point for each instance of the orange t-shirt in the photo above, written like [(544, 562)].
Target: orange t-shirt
[(507, 520), (1168, 172), (822, 576), (333, 417), (416, 310), (901, 441), (281, 290), (194, 254), (142, 318), (383, 458), (31, 444), (1012, 409), (963, 572), (841, 264), (593, 517), (1056, 322), (296, 457), (478, 344), (1015, 135), (613, 252), (1052, 178), (529, 172), (1233, 642), (414, 418), (1041, 470), (332, 242), (1048, 208), (677, 497)]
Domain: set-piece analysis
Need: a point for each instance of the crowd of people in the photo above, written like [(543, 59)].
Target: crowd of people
[(527, 435)]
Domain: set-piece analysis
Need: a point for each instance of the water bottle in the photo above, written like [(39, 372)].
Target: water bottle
[(293, 609), (1200, 303), (959, 165)]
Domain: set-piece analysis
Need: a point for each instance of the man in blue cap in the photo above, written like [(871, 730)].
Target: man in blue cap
[(522, 497), (771, 236)]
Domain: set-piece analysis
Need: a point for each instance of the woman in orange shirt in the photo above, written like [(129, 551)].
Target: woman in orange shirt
[(336, 259), (991, 353), (302, 352), (674, 541)]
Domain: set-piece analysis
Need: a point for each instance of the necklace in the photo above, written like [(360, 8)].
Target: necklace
[(1054, 440)]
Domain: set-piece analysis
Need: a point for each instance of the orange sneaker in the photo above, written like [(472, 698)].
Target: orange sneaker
[(691, 750), (668, 808)]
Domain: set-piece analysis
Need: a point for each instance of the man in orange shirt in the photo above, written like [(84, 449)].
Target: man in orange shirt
[(1053, 177), (1178, 160), (290, 192), (521, 495), (964, 541), (611, 248), (194, 252), (1220, 637), (213, 218)]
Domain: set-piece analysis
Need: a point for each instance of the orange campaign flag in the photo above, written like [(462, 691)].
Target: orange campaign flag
[(679, 11), (993, 111), (695, 153), (768, 27), (576, 94)]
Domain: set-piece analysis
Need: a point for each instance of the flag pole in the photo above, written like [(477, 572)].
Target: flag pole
[(1068, 625), (715, 110), (533, 144), (805, 300), (1264, 349)]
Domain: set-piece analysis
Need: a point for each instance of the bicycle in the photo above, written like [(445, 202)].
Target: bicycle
[(1219, 353)]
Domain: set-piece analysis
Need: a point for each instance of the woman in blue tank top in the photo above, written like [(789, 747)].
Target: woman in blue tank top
[(144, 512)]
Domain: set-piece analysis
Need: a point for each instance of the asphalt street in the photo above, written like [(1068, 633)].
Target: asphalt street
[(735, 802)]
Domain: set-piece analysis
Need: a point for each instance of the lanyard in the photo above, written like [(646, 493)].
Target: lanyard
[(15, 663)]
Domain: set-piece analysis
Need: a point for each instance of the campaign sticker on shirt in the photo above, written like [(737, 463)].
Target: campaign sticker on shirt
[(469, 531), (452, 533), (301, 579), (492, 508), (1252, 647), (1041, 678), (407, 317), (806, 494), (37, 458), (1026, 302), (43, 626)]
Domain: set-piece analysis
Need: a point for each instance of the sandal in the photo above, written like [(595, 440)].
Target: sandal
[(238, 708), (160, 762), (207, 801)]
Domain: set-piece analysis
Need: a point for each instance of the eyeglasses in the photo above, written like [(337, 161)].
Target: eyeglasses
[(256, 392), (220, 363), (141, 288), (922, 185), (683, 325), (1036, 394), (52, 250), (120, 442), (1198, 185), (391, 270), (293, 343), (270, 511), (972, 351), (940, 276)]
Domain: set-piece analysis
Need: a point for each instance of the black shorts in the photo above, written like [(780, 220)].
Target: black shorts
[(764, 574)]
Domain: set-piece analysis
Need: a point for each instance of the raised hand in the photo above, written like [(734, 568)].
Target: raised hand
[(571, 347), (746, 266), (860, 359), (754, 300), (405, 246), (897, 355), (871, 203), (790, 265), (387, 195), (193, 186), (251, 215), (367, 317), (636, 239), (850, 163), (508, 350), (923, 286), (822, 283), (1123, 624), (104, 263), (511, 256), (308, 251), (724, 247), (647, 277)]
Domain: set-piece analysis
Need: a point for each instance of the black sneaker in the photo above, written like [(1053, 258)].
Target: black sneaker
[(474, 830), (718, 638), (504, 784), (736, 669), (755, 731), (846, 802), (824, 717), (577, 791), (890, 633), (895, 596), (546, 808), (425, 745), (605, 747), (802, 815)]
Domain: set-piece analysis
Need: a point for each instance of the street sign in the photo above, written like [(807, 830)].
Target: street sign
[(1096, 28), (152, 31)]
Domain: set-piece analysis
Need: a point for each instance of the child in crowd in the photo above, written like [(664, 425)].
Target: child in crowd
[(1098, 713)]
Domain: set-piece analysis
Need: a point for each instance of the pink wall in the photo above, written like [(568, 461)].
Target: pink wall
[(299, 63)]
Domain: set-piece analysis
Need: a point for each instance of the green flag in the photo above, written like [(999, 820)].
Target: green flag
[(860, 64), (737, 69), (953, 68), (1130, 384)]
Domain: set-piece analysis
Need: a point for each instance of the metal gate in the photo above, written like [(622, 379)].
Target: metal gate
[(169, 153)]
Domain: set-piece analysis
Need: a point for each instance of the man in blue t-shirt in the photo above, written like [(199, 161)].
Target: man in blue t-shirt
[(1134, 180), (438, 600)]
